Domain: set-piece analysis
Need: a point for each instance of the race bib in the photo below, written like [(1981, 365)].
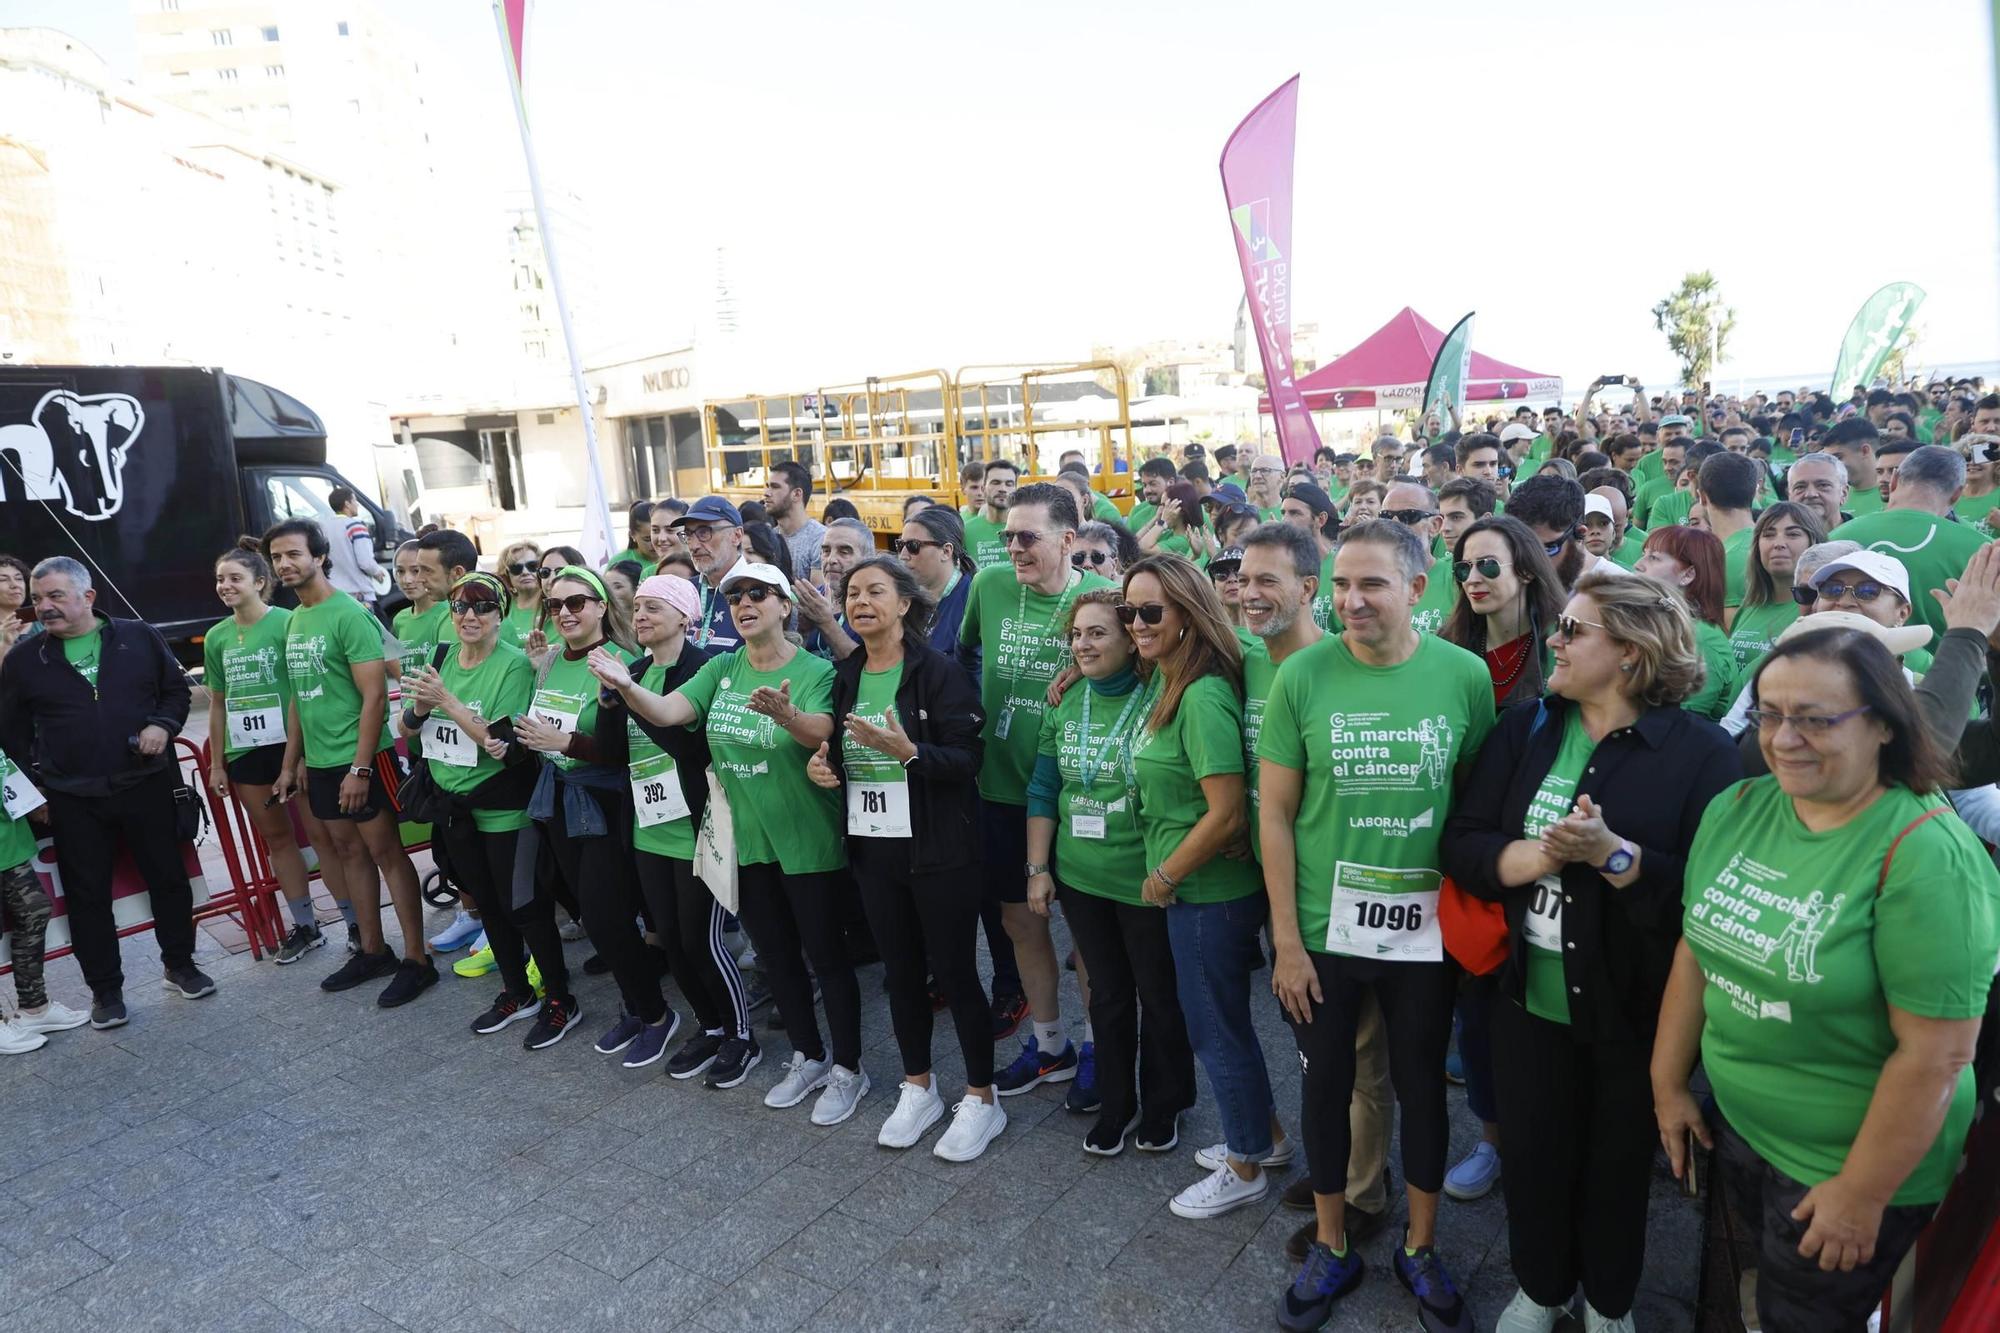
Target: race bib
[(18, 795), (556, 713), (1544, 924), (1375, 916), (446, 742), (878, 809), (255, 720), (656, 792), (1086, 826)]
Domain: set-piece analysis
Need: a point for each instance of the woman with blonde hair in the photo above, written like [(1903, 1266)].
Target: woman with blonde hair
[(520, 568)]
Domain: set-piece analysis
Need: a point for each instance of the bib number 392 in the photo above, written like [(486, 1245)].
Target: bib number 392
[(656, 792), (1372, 918)]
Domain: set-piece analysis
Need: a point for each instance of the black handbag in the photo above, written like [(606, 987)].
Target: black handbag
[(419, 800), (190, 811)]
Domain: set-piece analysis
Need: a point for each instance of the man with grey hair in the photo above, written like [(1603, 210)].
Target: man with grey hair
[(1915, 529), (88, 711), (843, 544), (713, 529), (1819, 482)]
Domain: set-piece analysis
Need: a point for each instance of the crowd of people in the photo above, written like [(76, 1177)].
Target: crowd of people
[(1563, 757)]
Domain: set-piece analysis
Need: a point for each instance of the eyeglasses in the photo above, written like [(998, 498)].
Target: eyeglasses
[(1267, 472), (575, 602), (1866, 590), (1078, 559), (703, 534), (483, 606), (756, 595), (524, 567), (1027, 537), (1567, 626), (912, 545), (1487, 566), (1152, 613), (1409, 518), (1805, 724)]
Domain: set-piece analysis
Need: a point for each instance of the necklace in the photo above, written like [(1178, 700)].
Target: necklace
[(1496, 657)]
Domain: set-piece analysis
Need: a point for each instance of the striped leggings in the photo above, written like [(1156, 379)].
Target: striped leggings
[(689, 923), (27, 909)]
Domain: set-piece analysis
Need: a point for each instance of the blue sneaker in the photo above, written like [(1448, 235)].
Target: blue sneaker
[(1475, 1177), (1031, 1069), (1454, 1068), (1324, 1278), (461, 932), (621, 1034), (1440, 1309), (1083, 1099), (651, 1043)]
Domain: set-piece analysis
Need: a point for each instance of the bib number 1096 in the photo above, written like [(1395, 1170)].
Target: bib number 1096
[(1378, 915)]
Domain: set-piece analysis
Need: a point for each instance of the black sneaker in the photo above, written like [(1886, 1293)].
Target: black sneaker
[(596, 966), (411, 980), (696, 1054), (1107, 1137), (360, 968), (733, 1063), (302, 940), (1008, 1011), (505, 1010), (552, 1024), (190, 982), (1159, 1135), (108, 1010)]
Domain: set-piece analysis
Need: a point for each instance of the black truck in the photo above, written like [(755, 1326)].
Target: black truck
[(148, 473)]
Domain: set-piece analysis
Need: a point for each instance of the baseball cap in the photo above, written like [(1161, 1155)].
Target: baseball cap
[(1898, 639), (1516, 431), (745, 572), (712, 509), (1677, 419), (1230, 560), (1596, 504), (1227, 493), (1885, 569)]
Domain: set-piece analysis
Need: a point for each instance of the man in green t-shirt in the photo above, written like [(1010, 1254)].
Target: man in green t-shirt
[(338, 751), (1362, 740), (1853, 442), (1155, 475), (1416, 508), (1012, 643), (1265, 474), (982, 529), (1915, 531), (1727, 484)]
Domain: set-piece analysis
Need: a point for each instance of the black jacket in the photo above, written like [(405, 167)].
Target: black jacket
[(940, 710), (78, 741), (688, 745), (1653, 780)]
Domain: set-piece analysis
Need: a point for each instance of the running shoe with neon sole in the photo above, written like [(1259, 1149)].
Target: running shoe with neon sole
[(1440, 1309), (477, 963), (1324, 1278), (1031, 1069)]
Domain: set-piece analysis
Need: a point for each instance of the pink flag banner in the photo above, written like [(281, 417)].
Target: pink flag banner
[(1257, 186)]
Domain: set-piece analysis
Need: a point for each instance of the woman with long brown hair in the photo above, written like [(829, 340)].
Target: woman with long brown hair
[(1189, 769), (1509, 599), (1782, 534), (1690, 561)]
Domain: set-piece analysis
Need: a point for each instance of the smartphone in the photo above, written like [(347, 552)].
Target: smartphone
[(25, 613), (501, 729), (1798, 436), (1611, 380), (1690, 1184)]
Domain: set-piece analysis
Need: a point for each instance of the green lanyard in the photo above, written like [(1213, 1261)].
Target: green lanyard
[(1062, 600), (1087, 766), (707, 604)]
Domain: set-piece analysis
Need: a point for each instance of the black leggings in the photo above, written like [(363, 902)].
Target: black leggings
[(1131, 965), (1416, 1000), (929, 916), (785, 913), (689, 923), (483, 865), (600, 871)]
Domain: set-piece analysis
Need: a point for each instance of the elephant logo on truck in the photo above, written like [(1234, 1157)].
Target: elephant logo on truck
[(72, 448)]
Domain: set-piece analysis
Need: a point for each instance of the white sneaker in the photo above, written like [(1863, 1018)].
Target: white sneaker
[(974, 1124), (1593, 1322), (455, 935), (801, 1077), (571, 929), (1217, 1154), (844, 1090), (1220, 1191), (55, 1018), (1522, 1315), (13, 1041), (917, 1109)]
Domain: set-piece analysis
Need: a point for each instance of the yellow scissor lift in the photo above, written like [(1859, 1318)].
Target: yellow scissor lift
[(890, 437)]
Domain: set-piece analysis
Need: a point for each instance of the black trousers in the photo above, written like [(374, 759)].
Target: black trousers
[(931, 917), (787, 914), (600, 872), (1576, 1120), (1416, 1000), (483, 865), (1131, 964), (689, 923), (88, 832)]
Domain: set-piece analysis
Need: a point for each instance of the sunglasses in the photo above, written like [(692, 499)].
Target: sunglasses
[(755, 595), (1152, 613), (524, 567), (1409, 518), (575, 602), (1078, 559), (1027, 537), (1487, 566), (547, 572), (1568, 626), (1554, 548), (482, 606), (912, 545), (1864, 591)]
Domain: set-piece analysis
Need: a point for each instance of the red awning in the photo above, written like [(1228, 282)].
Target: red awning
[(1391, 366)]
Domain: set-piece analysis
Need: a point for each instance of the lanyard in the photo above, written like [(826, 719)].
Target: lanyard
[(1062, 600), (707, 603), (1088, 766)]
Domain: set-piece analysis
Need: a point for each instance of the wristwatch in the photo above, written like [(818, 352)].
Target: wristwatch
[(360, 771), (1619, 861), (1034, 868)]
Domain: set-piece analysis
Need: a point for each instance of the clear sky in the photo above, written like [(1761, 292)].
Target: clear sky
[(905, 184)]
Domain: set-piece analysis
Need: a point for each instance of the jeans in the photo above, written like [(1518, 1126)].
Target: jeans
[(1216, 952), (1475, 1044)]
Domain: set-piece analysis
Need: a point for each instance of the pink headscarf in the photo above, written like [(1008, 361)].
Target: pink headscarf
[(675, 591)]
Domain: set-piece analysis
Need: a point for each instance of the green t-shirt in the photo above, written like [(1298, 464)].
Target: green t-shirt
[(1377, 748), (777, 811), (500, 686), (1204, 740), (1973, 509), (629, 553), (1735, 564), (518, 624), (873, 814), (1862, 502), (17, 836), (1322, 607), (1629, 550), (419, 633), (1259, 673), (1142, 514), (1643, 496), (566, 699), (1718, 687), (1932, 549), (1103, 510), (85, 651), (1174, 543), (1547, 992), (322, 645), (657, 788), (1756, 629), (1098, 848), (245, 665), (1670, 510), (1440, 596), (983, 541), (1805, 940), (1020, 631)]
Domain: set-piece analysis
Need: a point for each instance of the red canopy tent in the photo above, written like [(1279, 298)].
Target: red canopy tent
[(1391, 366)]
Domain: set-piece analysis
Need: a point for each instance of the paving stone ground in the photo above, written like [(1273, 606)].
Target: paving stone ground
[(275, 1157)]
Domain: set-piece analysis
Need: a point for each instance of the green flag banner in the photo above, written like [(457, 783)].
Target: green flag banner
[(1878, 326), (1446, 386)]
